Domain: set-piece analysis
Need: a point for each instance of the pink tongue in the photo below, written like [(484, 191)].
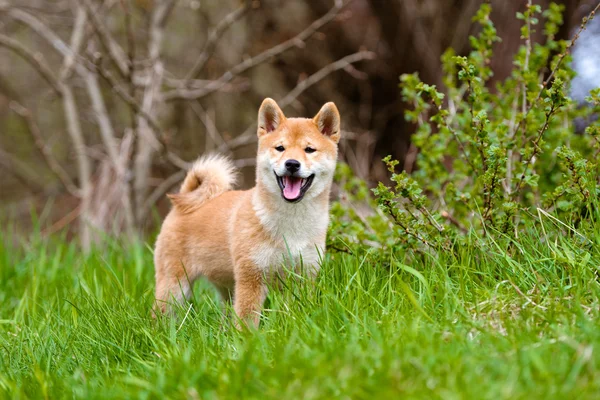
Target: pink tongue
[(292, 187)]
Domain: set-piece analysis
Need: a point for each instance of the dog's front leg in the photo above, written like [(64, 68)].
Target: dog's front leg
[(250, 292)]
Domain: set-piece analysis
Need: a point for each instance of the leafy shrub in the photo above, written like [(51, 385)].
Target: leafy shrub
[(490, 159)]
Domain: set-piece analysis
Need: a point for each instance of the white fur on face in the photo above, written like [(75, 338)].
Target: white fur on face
[(323, 169)]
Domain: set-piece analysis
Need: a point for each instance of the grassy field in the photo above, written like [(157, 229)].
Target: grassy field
[(481, 323)]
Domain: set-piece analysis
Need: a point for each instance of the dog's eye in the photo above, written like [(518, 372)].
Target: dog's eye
[(310, 150), (280, 148)]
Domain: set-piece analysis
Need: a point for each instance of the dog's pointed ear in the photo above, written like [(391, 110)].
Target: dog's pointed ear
[(270, 117), (328, 121)]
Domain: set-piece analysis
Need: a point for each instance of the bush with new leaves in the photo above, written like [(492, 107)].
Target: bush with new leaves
[(490, 158)]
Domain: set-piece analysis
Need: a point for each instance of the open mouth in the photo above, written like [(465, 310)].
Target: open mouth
[(293, 188)]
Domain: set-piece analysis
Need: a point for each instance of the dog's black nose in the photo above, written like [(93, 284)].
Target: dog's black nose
[(292, 166)]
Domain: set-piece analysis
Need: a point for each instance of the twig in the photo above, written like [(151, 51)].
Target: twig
[(509, 152), (536, 149), (526, 66), (453, 221), (40, 28), (297, 40), (64, 221), (71, 115), (157, 139), (46, 152), (83, 162), (35, 60), (558, 64), (322, 73), (213, 38), (340, 249), (209, 124), (20, 170), (248, 136), (115, 52), (143, 156), (392, 213), (76, 42), (64, 49), (526, 297), (107, 133), (161, 189)]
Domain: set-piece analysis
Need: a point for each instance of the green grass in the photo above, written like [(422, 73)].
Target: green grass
[(481, 323)]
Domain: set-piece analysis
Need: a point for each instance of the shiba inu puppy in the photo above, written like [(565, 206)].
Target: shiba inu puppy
[(237, 239)]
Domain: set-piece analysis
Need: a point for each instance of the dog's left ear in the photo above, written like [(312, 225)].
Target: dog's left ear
[(328, 121)]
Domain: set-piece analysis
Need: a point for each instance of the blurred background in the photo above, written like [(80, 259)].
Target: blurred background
[(104, 102)]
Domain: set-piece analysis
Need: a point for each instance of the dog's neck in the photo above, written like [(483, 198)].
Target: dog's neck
[(282, 219)]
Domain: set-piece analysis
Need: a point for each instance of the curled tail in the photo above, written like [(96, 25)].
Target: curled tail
[(208, 177)]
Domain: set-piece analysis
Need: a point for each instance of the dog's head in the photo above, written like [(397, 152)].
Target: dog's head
[(297, 156)]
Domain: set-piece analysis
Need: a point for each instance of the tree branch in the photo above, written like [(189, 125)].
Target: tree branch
[(36, 135), (40, 28), (161, 189), (297, 40), (20, 170), (209, 124), (248, 136), (213, 38), (35, 60), (110, 45), (322, 73), (76, 42), (143, 157)]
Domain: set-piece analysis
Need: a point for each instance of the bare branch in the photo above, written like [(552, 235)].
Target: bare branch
[(64, 221), (213, 38), (238, 85), (296, 41), (209, 124), (74, 130), (35, 60), (76, 42), (161, 190), (157, 139), (84, 165), (249, 134), (110, 45), (41, 29), (323, 72), (36, 135), (143, 158), (63, 49), (119, 164), (20, 170), (71, 114), (105, 126)]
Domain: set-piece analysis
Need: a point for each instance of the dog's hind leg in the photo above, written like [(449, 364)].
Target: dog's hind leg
[(171, 290), (226, 295)]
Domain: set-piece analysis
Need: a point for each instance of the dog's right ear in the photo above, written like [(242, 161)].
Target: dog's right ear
[(270, 117)]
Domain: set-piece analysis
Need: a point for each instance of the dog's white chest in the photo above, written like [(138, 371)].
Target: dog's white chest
[(298, 237), (268, 257)]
